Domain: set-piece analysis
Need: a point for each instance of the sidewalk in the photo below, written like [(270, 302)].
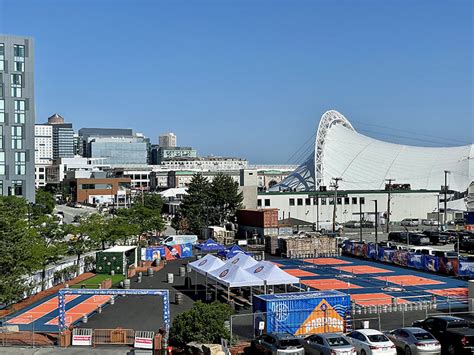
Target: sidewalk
[(69, 351)]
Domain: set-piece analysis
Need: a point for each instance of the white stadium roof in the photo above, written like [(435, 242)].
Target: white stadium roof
[(365, 163)]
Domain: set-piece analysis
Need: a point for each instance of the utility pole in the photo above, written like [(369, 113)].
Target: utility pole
[(376, 222), (360, 221), (388, 203), (438, 216), (446, 172), (336, 186)]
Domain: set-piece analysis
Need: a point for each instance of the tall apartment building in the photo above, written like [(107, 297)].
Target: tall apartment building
[(167, 140), (43, 152), (17, 117), (63, 137)]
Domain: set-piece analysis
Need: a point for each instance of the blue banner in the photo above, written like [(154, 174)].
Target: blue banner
[(154, 253), (186, 250)]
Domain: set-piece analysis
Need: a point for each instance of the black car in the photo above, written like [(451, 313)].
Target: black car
[(454, 334)]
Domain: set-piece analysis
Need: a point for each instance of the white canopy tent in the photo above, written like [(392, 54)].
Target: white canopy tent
[(243, 260), (234, 276), (272, 274), (206, 264)]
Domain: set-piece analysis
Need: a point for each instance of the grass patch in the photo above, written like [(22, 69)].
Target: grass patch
[(94, 281)]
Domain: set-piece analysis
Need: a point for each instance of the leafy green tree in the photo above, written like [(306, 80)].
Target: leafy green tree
[(45, 203), (16, 250), (96, 227), (79, 242), (208, 203), (204, 323), (225, 198), (145, 213), (118, 228), (49, 243)]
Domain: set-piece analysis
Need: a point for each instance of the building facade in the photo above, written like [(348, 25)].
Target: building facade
[(43, 152), (167, 140), (205, 164), (120, 150), (17, 117), (63, 137), (175, 153)]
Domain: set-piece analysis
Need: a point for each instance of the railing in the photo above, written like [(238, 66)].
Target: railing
[(113, 336)]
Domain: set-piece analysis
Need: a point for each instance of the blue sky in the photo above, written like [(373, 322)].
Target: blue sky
[(252, 78)]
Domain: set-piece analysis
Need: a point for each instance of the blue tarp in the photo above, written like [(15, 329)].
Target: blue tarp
[(232, 251), (210, 245)]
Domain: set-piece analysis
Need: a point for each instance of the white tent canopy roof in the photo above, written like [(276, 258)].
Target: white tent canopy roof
[(206, 264), (272, 274), (243, 260), (234, 276), (364, 163)]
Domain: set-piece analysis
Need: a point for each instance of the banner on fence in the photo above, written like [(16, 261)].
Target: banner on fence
[(82, 336), (144, 339)]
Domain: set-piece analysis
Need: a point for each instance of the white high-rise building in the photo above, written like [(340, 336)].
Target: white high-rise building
[(43, 152), (167, 140)]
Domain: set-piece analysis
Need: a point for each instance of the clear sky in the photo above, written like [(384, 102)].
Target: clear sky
[(251, 78)]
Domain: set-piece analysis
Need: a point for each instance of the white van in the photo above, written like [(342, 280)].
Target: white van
[(326, 226), (179, 239)]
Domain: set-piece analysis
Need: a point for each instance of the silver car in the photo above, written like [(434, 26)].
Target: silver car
[(414, 340), (328, 344)]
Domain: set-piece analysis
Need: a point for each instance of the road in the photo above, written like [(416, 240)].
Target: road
[(71, 212)]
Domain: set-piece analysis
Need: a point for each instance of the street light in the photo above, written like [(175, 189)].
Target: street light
[(376, 223)]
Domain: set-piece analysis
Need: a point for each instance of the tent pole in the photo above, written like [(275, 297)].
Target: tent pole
[(251, 295), (228, 294), (286, 288), (216, 291)]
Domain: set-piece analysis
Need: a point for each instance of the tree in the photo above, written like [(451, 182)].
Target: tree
[(49, 245), (225, 198), (208, 203), (79, 242), (45, 203), (16, 250), (118, 228), (96, 227), (145, 213), (195, 205), (204, 323)]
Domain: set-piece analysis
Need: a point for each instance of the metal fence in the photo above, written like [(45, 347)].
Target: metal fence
[(380, 317), (28, 336)]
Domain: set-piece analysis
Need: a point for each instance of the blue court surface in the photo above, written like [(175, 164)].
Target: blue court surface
[(372, 283), (43, 315)]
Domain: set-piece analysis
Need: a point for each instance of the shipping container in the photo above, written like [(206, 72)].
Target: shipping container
[(263, 218), (302, 313)]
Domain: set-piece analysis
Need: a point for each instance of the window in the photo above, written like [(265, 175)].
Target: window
[(307, 202), (323, 200), (267, 202), (2, 163), (19, 66), (17, 80), (2, 58), (331, 200), (300, 202), (16, 188), (2, 111), (362, 200), (259, 203), (292, 201), (1, 187), (20, 111), (315, 201), (354, 200), (1, 137), (88, 186), (17, 135), (20, 163), (346, 200), (19, 51), (339, 200)]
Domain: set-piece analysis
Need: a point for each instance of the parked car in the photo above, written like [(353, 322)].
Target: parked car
[(326, 226), (372, 342), (328, 344), (277, 343), (356, 224), (409, 238), (454, 334), (410, 222), (416, 341), (179, 239)]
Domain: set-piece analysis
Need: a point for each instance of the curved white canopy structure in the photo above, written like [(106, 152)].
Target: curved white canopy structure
[(365, 163)]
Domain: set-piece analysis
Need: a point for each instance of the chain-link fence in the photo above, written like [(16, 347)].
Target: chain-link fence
[(21, 333)]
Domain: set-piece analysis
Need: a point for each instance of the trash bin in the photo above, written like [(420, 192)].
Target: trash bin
[(182, 271), (170, 278), (365, 324)]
